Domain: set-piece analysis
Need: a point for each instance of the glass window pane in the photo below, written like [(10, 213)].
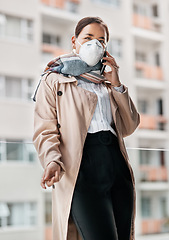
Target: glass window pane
[(13, 87), (30, 82), (115, 47), (16, 217), (22, 214), (163, 206), (14, 151), (146, 207), (48, 209), (0, 151), (46, 38), (144, 157), (13, 27), (30, 152)]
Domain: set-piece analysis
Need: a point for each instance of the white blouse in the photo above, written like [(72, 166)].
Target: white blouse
[(102, 117)]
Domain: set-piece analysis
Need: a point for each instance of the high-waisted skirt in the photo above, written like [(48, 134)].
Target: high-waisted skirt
[(102, 203)]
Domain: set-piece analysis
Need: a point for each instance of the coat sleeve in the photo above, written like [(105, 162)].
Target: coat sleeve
[(128, 115), (46, 137)]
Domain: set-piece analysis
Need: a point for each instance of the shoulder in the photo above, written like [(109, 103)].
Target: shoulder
[(50, 79)]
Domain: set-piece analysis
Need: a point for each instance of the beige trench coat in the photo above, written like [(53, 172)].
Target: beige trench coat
[(62, 115)]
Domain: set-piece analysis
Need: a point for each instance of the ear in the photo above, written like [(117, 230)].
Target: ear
[(73, 42)]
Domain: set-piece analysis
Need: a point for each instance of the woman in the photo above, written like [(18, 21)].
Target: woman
[(80, 119)]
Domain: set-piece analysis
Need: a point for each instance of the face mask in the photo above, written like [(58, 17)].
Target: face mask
[(91, 52)]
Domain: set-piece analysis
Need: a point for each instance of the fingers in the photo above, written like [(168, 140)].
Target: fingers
[(54, 179), (50, 176), (111, 59), (112, 66), (42, 183)]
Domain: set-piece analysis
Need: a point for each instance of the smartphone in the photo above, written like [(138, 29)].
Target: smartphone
[(103, 66)]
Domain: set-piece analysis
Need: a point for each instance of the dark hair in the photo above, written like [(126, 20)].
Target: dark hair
[(88, 20)]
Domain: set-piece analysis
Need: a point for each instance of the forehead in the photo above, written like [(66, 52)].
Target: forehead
[(96, 29)]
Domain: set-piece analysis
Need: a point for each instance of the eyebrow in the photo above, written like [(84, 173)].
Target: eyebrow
[(89, 34)]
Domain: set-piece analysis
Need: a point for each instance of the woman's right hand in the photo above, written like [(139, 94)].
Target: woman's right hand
[(51, 174)]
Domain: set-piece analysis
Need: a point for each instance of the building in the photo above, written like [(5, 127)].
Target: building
[(34, 32)]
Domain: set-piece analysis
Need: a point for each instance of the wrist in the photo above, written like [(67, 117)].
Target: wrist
[(53, 162), (116, 84)]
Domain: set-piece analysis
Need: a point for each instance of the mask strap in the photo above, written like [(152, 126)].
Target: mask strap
[(78, 42)]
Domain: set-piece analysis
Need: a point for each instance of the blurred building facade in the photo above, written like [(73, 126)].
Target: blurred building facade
[(34, 32)]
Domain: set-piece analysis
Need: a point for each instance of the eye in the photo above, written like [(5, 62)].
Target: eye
[(102, 41), (88, 38)]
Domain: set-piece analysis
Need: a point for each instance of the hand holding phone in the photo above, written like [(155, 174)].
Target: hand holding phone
[(103, 66)]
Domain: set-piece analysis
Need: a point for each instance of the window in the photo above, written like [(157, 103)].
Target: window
[(72, 6), (157, 59), (48, 209), (115, 3), (163, 207), (14, 150), (18, 88), (144, 157), (29, 152), (140, 9), (162, 158), (13, 88), (142, 106), (160, 107), (155, 11), (139, 72), (16, 28), (18, 214), (0, 151), (51, 39), (115, 47), (146, 207), (140, 56)]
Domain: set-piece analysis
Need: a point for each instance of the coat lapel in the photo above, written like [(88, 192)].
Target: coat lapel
[(93, 96)]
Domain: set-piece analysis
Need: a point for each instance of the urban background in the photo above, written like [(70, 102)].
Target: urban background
[(34, 32)]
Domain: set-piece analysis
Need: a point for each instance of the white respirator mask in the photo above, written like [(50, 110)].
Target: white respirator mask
[(91, 52)]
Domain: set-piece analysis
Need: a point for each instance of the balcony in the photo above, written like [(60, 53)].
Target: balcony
[(50, 52), (146, 22), (48, 232), (69, 5), (154, 226), (153, 174), (152, 122), (146, 71), (53, 50)]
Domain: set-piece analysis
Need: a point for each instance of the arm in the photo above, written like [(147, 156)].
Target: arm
[(129, 117), (46, 137)]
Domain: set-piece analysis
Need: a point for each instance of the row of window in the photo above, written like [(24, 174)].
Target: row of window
[(21, 214), (144, 106), (114, 44), (25, 213), (16, 88), (152, 158), (11, 150), (147, 209), (115, 3), (25, 152), (142, 57), (146, 9), (16, 28)]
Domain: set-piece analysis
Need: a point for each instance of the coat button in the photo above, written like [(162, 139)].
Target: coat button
[(59, 93), (58, 125)]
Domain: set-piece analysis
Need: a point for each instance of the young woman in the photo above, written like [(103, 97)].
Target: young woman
[(82, 113)]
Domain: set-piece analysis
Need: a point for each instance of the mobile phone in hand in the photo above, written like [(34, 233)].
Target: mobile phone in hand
[(103, 66)]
